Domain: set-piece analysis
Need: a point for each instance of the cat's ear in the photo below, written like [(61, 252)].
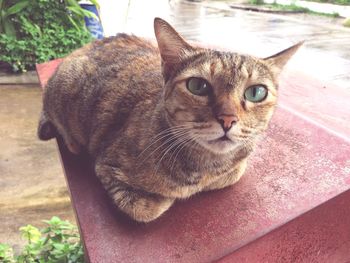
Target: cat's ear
[(279, 60), (171, 45)]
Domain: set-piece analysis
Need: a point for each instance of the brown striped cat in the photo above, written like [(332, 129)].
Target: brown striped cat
[(163, 122)]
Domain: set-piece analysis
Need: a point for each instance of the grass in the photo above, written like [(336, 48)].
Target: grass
[(336, 2), (291, 8)]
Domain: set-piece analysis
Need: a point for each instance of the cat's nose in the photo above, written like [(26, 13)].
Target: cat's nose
[(227, 121)]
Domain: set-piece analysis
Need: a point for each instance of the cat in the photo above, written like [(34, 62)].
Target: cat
[(161, 122)]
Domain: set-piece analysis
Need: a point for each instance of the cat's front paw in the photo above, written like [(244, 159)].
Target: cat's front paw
[(139, 205)]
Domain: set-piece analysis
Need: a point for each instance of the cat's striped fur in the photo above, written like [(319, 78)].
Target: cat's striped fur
[(125, 101)]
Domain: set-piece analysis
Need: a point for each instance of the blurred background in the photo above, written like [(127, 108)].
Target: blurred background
[(31, 178)]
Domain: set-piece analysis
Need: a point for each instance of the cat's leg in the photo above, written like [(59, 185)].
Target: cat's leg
[(229, 179), (138, 204)]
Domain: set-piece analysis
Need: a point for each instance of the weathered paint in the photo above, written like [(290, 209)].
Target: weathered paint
[(321, 235)]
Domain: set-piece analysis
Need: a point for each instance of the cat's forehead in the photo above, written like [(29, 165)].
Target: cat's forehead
[(227, 67)]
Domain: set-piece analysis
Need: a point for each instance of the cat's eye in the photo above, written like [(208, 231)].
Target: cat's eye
[(256, 93), (198, 86)]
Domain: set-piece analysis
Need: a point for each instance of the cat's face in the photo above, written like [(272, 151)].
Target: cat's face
[(224, 99), (218, 100)]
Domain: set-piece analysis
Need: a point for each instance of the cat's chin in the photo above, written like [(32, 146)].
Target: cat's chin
[(219, 146)]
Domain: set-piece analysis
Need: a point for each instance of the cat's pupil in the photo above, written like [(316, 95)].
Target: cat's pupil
[(255, 93)]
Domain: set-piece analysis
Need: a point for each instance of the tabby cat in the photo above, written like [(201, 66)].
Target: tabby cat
[(163, 122)]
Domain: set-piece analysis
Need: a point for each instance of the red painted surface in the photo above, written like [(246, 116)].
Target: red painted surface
[(321, 235), (323, 103), (45, 70), (300, 163)]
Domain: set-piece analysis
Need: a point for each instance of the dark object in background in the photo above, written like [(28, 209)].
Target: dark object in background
[(5, 67)]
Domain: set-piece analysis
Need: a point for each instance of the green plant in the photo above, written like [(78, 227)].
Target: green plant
[(293, 8), (8, 9), (59, 242), (74, 8), (338, 2), (256, 2), (6, 254), (40, 31)]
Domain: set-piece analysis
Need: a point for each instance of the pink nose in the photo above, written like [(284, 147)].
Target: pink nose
[(227, 121)]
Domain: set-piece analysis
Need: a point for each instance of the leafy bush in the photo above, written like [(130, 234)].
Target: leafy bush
[(35, 31), (59, 242)]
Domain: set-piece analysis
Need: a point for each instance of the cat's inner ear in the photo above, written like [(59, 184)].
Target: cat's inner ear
[(279, 60), (171, 45)]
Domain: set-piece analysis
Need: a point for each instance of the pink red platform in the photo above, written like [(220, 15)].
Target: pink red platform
[(292, 205)]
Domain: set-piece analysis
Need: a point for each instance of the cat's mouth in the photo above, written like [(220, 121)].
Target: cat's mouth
[(223, 138), (221, 145)]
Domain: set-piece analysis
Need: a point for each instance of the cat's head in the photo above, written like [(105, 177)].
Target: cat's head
[(219, 100)]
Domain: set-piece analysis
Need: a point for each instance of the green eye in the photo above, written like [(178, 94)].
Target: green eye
[(198, 86), (256, 93)]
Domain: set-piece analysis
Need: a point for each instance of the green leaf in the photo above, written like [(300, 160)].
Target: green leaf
[(16, 8), (73, 23), (6, 254), (77, 10), (88, 13), (72, 3), (55, 220), (30, 233), (58, 246), (9, 28), (82, 12), (38, 29)]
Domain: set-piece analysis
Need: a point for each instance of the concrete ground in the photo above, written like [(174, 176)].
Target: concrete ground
[(31, 178)]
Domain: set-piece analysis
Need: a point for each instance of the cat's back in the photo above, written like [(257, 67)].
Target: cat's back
[(123, 53), (107, 65), (111, 75), (123, 49)]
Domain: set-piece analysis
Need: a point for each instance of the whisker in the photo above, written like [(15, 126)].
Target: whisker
[(177, 151), (161, 135), (171, 146), (170, 139)]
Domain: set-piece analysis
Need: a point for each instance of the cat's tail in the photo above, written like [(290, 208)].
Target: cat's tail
[(46, 130)]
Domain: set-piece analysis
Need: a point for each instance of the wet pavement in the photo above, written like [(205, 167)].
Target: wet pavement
[(325, 56), (31, 178)]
